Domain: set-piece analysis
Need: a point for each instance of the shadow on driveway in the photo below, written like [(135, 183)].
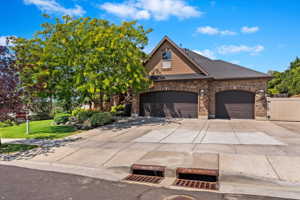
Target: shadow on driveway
[(45, 146), (124, 123)]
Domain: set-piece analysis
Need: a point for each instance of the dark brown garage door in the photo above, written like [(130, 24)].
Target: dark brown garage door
[(235, 105), (169, 104)]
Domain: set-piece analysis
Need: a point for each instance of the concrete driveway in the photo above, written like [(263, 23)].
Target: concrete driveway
[(253, 157)]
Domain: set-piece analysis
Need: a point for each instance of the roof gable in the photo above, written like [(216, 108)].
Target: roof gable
[(195, 63), (187, 65)]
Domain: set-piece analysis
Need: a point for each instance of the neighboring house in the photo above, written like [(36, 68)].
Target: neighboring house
[(189, 85)]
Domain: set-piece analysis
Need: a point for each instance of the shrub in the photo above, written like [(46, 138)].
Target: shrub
[(118, 110), (101, 118), (2, 125), (61, 118), (57, 109), (7, 123), (85, 114), (76, 111)]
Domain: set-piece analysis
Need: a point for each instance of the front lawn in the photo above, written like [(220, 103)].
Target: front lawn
[(11, 148), (38, 129)]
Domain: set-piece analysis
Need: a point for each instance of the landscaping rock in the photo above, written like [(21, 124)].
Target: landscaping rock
[(87, 124)]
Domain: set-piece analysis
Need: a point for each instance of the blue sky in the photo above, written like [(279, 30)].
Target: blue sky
[(259, 34)]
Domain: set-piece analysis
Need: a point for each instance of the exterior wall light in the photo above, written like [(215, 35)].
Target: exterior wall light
[(260, 91), (202, 92)]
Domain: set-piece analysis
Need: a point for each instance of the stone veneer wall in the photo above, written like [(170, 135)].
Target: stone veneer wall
[(206, 91)]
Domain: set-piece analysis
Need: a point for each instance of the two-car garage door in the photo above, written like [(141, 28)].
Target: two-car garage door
[(169, 104), (229, 104)]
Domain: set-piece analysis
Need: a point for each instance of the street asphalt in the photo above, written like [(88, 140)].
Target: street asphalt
[(27, 184)]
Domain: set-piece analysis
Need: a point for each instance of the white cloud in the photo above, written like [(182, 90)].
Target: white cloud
[(145, 9), (3, 40), (226, 32), (51, 6), (125, 11), (207, 53), (246, 29), (208, 30), (231, 49)]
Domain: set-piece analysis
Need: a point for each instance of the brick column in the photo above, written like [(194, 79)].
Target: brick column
[(260, 105), (135, 109), (203, 103)]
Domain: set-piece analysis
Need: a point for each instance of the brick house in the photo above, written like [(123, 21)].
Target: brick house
[(189, 85)]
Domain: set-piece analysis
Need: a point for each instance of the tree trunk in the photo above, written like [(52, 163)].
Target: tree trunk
[(101, 102)]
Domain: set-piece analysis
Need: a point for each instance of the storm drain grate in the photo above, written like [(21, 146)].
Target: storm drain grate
[(146, 174), (197, 178), (144, 179), (195, 184)]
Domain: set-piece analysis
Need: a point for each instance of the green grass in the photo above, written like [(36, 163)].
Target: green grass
[(38, 129), (11, 148)]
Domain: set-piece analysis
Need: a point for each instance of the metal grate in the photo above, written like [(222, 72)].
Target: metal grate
[(146, 173), (196, 184), (144, 179), (197, 178)]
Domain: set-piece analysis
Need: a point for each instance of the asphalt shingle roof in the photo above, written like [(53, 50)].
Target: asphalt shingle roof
[(219, 69)]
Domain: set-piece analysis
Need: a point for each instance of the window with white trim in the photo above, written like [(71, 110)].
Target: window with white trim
[(166, 59)]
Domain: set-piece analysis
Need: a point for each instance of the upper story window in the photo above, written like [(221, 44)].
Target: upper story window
[(167, 55), (166, 59)]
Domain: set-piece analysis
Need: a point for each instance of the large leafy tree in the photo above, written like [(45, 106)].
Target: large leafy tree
[(10, 92), (83, 60), (286, 82)]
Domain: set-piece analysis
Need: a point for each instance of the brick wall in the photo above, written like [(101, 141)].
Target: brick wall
[(206, 91)]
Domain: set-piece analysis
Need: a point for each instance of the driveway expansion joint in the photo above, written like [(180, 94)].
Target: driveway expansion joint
[(273, 168)]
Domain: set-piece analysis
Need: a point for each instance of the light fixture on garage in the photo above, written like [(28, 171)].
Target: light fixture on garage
[(202, 92), (260, 91)]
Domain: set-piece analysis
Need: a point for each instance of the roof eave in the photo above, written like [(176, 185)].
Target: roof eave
[(184, 79), (244, 78)]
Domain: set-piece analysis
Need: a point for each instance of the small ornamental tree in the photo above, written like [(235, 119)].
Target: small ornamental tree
[(10, 93), (83, 60)]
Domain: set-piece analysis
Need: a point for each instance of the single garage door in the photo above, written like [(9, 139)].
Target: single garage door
[(235, 105), (169, 104)]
